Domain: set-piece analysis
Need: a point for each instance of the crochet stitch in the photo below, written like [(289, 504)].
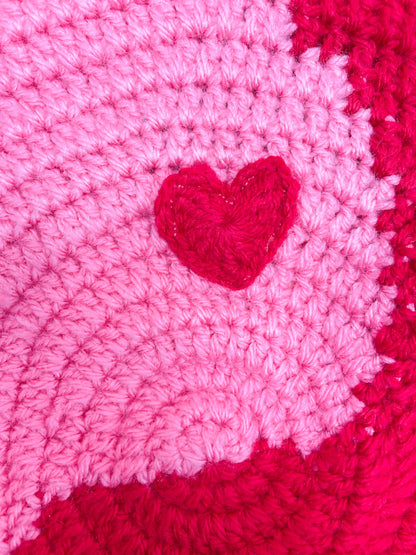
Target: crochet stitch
[(120, 365), (228, 234)]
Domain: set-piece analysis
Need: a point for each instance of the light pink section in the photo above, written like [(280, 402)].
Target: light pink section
[(115, 360)]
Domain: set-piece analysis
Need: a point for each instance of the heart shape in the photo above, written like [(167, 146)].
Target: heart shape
[(227, 233)]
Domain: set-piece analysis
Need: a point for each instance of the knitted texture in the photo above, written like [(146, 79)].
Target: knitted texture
[(120, 363)]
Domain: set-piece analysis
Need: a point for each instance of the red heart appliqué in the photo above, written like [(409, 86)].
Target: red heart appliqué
[(227, 233)]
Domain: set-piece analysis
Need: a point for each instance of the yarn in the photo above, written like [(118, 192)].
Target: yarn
[(101, 323), (228, 234)]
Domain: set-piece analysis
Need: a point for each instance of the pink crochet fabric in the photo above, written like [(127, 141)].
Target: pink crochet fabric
[(117, 361)]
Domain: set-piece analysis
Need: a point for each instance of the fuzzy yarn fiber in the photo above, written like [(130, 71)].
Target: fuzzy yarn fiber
[(207, 277)]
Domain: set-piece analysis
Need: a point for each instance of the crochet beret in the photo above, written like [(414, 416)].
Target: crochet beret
[(207, 277)]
